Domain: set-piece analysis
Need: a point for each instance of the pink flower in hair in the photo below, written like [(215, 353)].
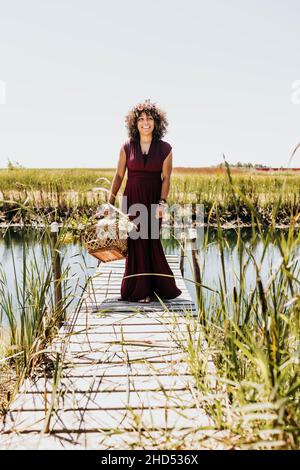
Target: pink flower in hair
[(147, 105)]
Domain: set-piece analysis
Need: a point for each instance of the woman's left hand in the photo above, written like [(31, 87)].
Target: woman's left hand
[(159, 211)]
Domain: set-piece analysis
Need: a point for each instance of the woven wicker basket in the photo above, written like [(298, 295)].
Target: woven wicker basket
[(107, 239)]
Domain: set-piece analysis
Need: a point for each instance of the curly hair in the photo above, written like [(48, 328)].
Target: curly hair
[(159, 116)]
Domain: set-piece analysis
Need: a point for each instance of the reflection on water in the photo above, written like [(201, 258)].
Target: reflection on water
[(208, 259), (73, 256)]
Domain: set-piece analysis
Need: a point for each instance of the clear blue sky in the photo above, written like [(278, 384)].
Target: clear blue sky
[(223, 71)]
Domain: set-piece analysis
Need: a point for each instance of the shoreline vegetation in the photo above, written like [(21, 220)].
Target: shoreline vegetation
[(60, 194), (30, 311), (252, 336)]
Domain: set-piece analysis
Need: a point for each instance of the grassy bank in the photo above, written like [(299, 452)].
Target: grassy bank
[(248, 375), (251, 389), (69, 193), (30, 311)]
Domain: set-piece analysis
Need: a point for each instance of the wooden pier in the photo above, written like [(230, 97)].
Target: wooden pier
[(120, 376)]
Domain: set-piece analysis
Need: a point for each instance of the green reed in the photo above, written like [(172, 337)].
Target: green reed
[(72, 188), (253, 339), (29, 317), (243, 348)]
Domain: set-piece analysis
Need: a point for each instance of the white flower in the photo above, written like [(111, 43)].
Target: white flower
[(107, 228)]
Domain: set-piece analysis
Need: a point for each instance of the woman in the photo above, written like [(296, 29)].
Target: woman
[(148, 160)]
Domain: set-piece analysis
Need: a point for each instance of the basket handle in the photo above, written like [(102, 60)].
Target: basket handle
[(107, 191)]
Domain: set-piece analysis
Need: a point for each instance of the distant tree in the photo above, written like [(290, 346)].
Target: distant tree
[(260, 165), (13, 165), (245, 165)]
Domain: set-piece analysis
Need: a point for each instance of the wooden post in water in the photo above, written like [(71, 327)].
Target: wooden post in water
[(197, 272), (196, 267), (182, 248), (56, 270)]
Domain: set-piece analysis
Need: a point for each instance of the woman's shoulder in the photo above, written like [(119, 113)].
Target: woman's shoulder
[(165, 148), (126, 142), (164, 142), (127, 146)]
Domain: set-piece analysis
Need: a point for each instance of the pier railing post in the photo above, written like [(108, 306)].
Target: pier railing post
[(56, 271), (182, 254)]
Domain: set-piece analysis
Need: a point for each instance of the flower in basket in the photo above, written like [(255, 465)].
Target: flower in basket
[(106, 228), (126, 225)]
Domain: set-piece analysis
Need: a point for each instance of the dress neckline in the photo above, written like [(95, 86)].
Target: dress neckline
[(149, 150), (145, 156)]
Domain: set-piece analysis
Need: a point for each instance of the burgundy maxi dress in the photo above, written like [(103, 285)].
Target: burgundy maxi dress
[(145, 255)]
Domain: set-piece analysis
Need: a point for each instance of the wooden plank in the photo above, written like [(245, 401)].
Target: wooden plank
[(184, 296), (116, 306), (148, 369), (120, 344), (141, 310), (105, 420), (91, 308), (123, 367), (98, 314), (119, 274), (116, 281), (105, 383), (140, 327), (121, 439), (79, 331), (182, 299), (115, 360), (104, 400), (105, 307), (95, 323), (113, 295), (106, 310), (121, 357), (144, 340), (106, 333), (121, 348)]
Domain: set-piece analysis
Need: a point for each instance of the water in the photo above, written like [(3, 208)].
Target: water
[(75, 260), (82, 264)]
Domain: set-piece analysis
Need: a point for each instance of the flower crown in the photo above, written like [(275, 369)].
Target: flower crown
[(146, 106)]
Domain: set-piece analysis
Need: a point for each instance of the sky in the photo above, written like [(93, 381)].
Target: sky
[(226, 72)]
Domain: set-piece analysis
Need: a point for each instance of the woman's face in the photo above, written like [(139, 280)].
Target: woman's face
[(145, 124)]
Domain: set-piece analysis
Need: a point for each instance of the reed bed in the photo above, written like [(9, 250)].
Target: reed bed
[(29, 315), (70, 191), (253, 339), (243, 347)]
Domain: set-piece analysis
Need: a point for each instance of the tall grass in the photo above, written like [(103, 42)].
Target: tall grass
[(70, 191), (244, 347), (29, 317), (253, 338)]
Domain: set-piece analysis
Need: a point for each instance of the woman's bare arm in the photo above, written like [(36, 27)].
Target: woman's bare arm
[(118, 176), (166, 176)]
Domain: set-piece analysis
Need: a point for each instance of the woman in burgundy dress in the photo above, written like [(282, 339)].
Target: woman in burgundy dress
[(148, 161)]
